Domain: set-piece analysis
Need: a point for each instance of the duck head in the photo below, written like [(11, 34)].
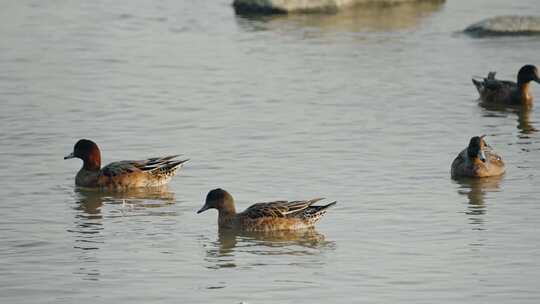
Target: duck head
[(88, 151), (218, 199), (528, 73), (476, 148)]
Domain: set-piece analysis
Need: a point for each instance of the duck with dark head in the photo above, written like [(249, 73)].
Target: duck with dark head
[(121, 175), (278, 215), (477, 160), (492, 90)]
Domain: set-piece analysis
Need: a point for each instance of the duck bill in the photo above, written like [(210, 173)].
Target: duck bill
[(203, 209), (69, 156), (482, 156)]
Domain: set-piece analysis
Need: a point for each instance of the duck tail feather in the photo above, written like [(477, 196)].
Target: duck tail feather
[(174, 164), (329, 205), (478, 84), (167, 166)]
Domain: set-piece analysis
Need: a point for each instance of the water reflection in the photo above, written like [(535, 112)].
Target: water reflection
[(367, 18), (524, 126), (89, 225), (223, 251), (90, 202), (475, 189)]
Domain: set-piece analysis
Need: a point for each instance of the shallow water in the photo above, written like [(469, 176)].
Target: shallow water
[(362, 108)]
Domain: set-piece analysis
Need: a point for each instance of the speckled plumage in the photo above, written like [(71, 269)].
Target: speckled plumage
[(122, 175), (469, 164), (269, 216)]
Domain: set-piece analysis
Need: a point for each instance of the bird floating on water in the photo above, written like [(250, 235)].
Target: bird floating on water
[(477, 160), (121, 175), (278, 215), (492, 90)]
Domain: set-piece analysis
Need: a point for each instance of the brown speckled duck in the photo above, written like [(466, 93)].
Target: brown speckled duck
[(477, 160), (508, 92), (278, 215), (121, 175)]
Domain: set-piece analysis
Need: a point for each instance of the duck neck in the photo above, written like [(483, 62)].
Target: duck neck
[(92, 162), (523, 90), (227, 209), (227, 214)]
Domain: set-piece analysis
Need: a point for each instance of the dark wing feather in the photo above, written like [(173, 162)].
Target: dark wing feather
[(490, 83), (149, 165), (278, 208), (499, 84), (316, 211), (119, 168)]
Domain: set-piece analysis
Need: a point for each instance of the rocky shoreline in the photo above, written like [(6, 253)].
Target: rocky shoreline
[(506, 26)]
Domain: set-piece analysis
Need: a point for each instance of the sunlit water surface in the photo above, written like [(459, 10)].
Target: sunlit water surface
[(368, 108)]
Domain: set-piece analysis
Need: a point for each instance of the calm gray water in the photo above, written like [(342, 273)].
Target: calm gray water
[(368, 108)]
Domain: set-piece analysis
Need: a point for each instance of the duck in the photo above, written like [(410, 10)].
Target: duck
[(264, 217), (492, 90), (477, 160), (121, 175)]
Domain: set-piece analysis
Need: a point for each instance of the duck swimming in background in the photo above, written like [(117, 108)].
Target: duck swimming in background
[(477, 160), (508, 92), (278, 215), (121, 175)]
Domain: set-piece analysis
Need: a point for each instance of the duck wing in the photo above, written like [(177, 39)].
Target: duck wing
[(490, 83), (494, 84), (493, 157), (151, 165), (278, 209)]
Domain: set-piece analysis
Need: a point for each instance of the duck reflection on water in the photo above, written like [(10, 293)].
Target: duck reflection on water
[(523, 113), (222, 253), (476, 191), (89, 204), (89, 222), (93, 200)]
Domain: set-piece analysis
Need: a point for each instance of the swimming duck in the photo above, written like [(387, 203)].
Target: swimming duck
[(121, 175), (508, 92), (477, 160), (278, 215)]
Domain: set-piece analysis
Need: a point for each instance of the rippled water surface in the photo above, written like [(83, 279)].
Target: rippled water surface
[(367, 107)]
